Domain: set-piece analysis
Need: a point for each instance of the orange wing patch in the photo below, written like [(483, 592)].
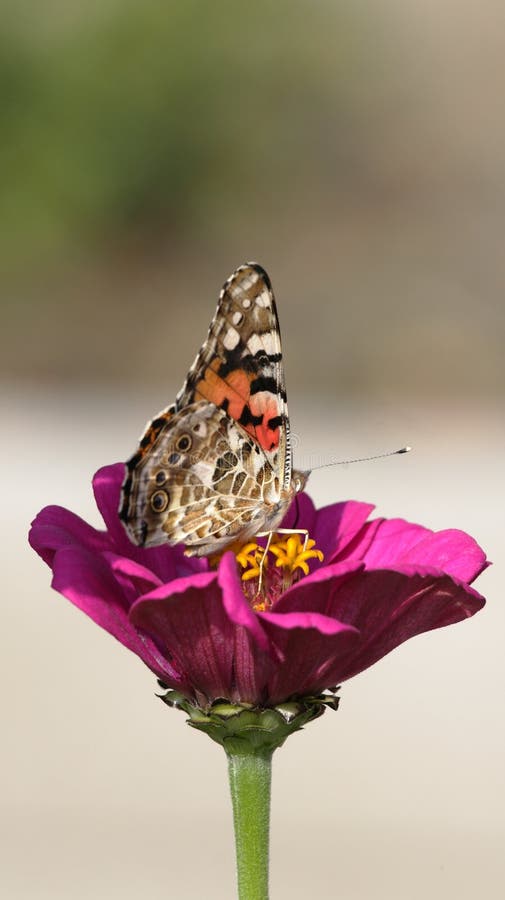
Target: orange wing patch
[(257, 413), (231, 393), (267, 433)]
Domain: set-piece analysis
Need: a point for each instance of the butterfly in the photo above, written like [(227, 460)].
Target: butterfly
[(215, 467)]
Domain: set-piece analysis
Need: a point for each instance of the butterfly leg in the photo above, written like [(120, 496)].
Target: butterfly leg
[(269, 535), (288, 531)]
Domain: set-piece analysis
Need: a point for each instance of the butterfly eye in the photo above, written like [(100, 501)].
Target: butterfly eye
[(161, 477), (159, 501), (183, 443)]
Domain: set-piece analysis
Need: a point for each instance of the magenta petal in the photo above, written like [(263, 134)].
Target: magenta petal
[(85, 579), (391, 607), (392, 540), (187, 620), (319, 591), (337, 525), (55, 527), (107, 483), (311, 646), (452, 551), (141, 578), (305, 621), (391, 543), (254, 653), (169, 562), (387, 607), (237, 607), (301, 514), (386, 542), (360, 544)]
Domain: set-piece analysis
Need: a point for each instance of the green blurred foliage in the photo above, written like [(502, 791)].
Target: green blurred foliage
[(125, 115), (354, 148)]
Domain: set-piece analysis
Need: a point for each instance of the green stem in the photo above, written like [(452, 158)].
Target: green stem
[(250, 777)]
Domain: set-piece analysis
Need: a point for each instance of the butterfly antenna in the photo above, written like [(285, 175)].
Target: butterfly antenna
[(346, 462)]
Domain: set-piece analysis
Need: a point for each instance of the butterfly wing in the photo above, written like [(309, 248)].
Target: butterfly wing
[(235, 391), (239, 367), (204, 484)]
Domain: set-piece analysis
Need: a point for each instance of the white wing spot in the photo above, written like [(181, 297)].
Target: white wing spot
[(263, 299), (246, 303), (200, 428), (266, 342), (237, 317), (254, 344), (231, 339), (270, 342)]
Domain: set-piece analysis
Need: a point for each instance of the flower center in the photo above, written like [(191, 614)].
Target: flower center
[(265, 579)]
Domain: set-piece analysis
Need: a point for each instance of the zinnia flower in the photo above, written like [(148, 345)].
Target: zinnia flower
[(373, 585)]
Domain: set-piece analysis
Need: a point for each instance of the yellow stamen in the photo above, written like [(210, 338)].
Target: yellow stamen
[(253, 572), (250, 558), (247, 554), (292, 552)]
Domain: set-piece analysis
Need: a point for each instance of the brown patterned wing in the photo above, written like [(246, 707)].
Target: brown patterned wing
[(204, 483), (232, 402), (239, 367)]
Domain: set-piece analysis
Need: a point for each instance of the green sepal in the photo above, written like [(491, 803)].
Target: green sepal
[(243, 729)]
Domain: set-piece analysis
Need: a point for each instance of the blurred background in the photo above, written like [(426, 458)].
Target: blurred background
[(357, 151)]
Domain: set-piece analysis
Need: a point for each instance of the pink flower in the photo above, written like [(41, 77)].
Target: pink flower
[(381, 582)]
